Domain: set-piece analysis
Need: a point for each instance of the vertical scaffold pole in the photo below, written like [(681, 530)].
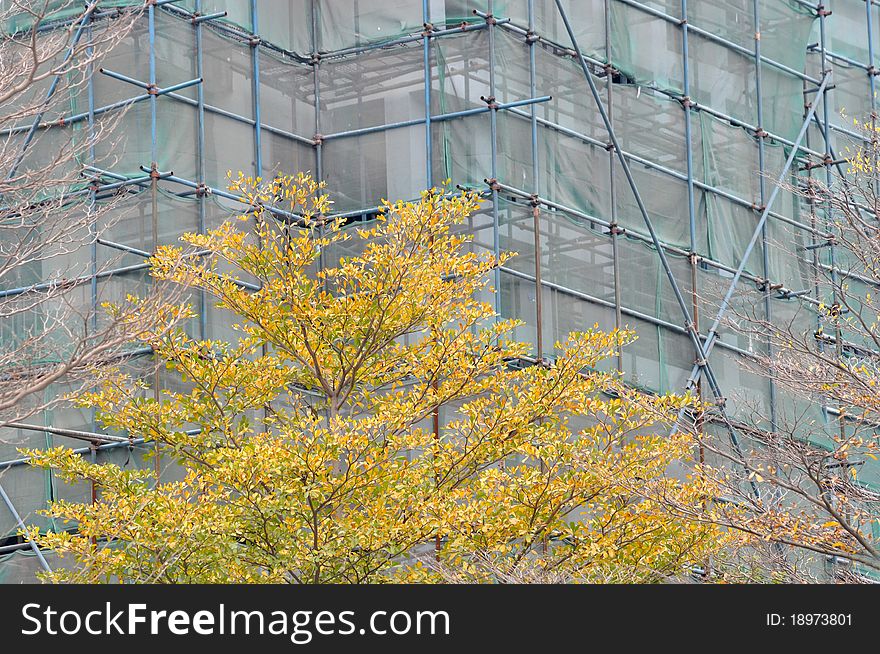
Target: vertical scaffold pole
[(258, 135), (829, 181), (612, 191), (765, 242), (536, 211), (255, 59), (536, 217), (316, 58), (154, 190), (318, 138), (93, 229), (426, 56), (872, 85), (200, 136), (693, 257), (493, 129), (829, 218)]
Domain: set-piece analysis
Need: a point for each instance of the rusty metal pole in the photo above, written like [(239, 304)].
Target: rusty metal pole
[(539, 316)]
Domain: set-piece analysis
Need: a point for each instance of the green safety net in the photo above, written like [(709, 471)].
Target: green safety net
[(848, 30), (55, 10), (385, 86)]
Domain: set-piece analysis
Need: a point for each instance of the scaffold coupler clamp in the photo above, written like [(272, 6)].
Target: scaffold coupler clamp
[(490, 102)]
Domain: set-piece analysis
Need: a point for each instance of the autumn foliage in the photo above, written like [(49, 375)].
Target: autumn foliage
[(376, 422)]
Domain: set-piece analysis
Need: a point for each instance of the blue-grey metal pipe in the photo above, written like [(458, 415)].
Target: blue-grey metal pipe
[(439, 118), (255, 57), (829, 182), (765, 244), (130, 442), (198, 20), (151, 27), (150, 85), (124, 248), (869, 19), (70, 283), (493, 135), (102, 188), (615, 232), (426, 63), (93, 195), (536, 214), (120, 104), (688, 138), (200, 151), (830, 54), (210, 189), (382, 45)]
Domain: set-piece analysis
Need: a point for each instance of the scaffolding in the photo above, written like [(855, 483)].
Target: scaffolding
[(631, 152)]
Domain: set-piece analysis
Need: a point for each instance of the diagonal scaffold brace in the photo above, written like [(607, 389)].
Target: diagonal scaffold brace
[(702, 363), (712, 334), (33, 544), (702, 366)]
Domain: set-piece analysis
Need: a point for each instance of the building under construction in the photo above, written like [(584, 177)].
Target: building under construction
[(638, 155)]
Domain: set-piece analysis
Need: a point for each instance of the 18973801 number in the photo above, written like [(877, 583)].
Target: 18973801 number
[(809, 620)]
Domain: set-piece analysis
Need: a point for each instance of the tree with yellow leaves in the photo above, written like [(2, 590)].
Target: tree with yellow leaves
[(374, 421)]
